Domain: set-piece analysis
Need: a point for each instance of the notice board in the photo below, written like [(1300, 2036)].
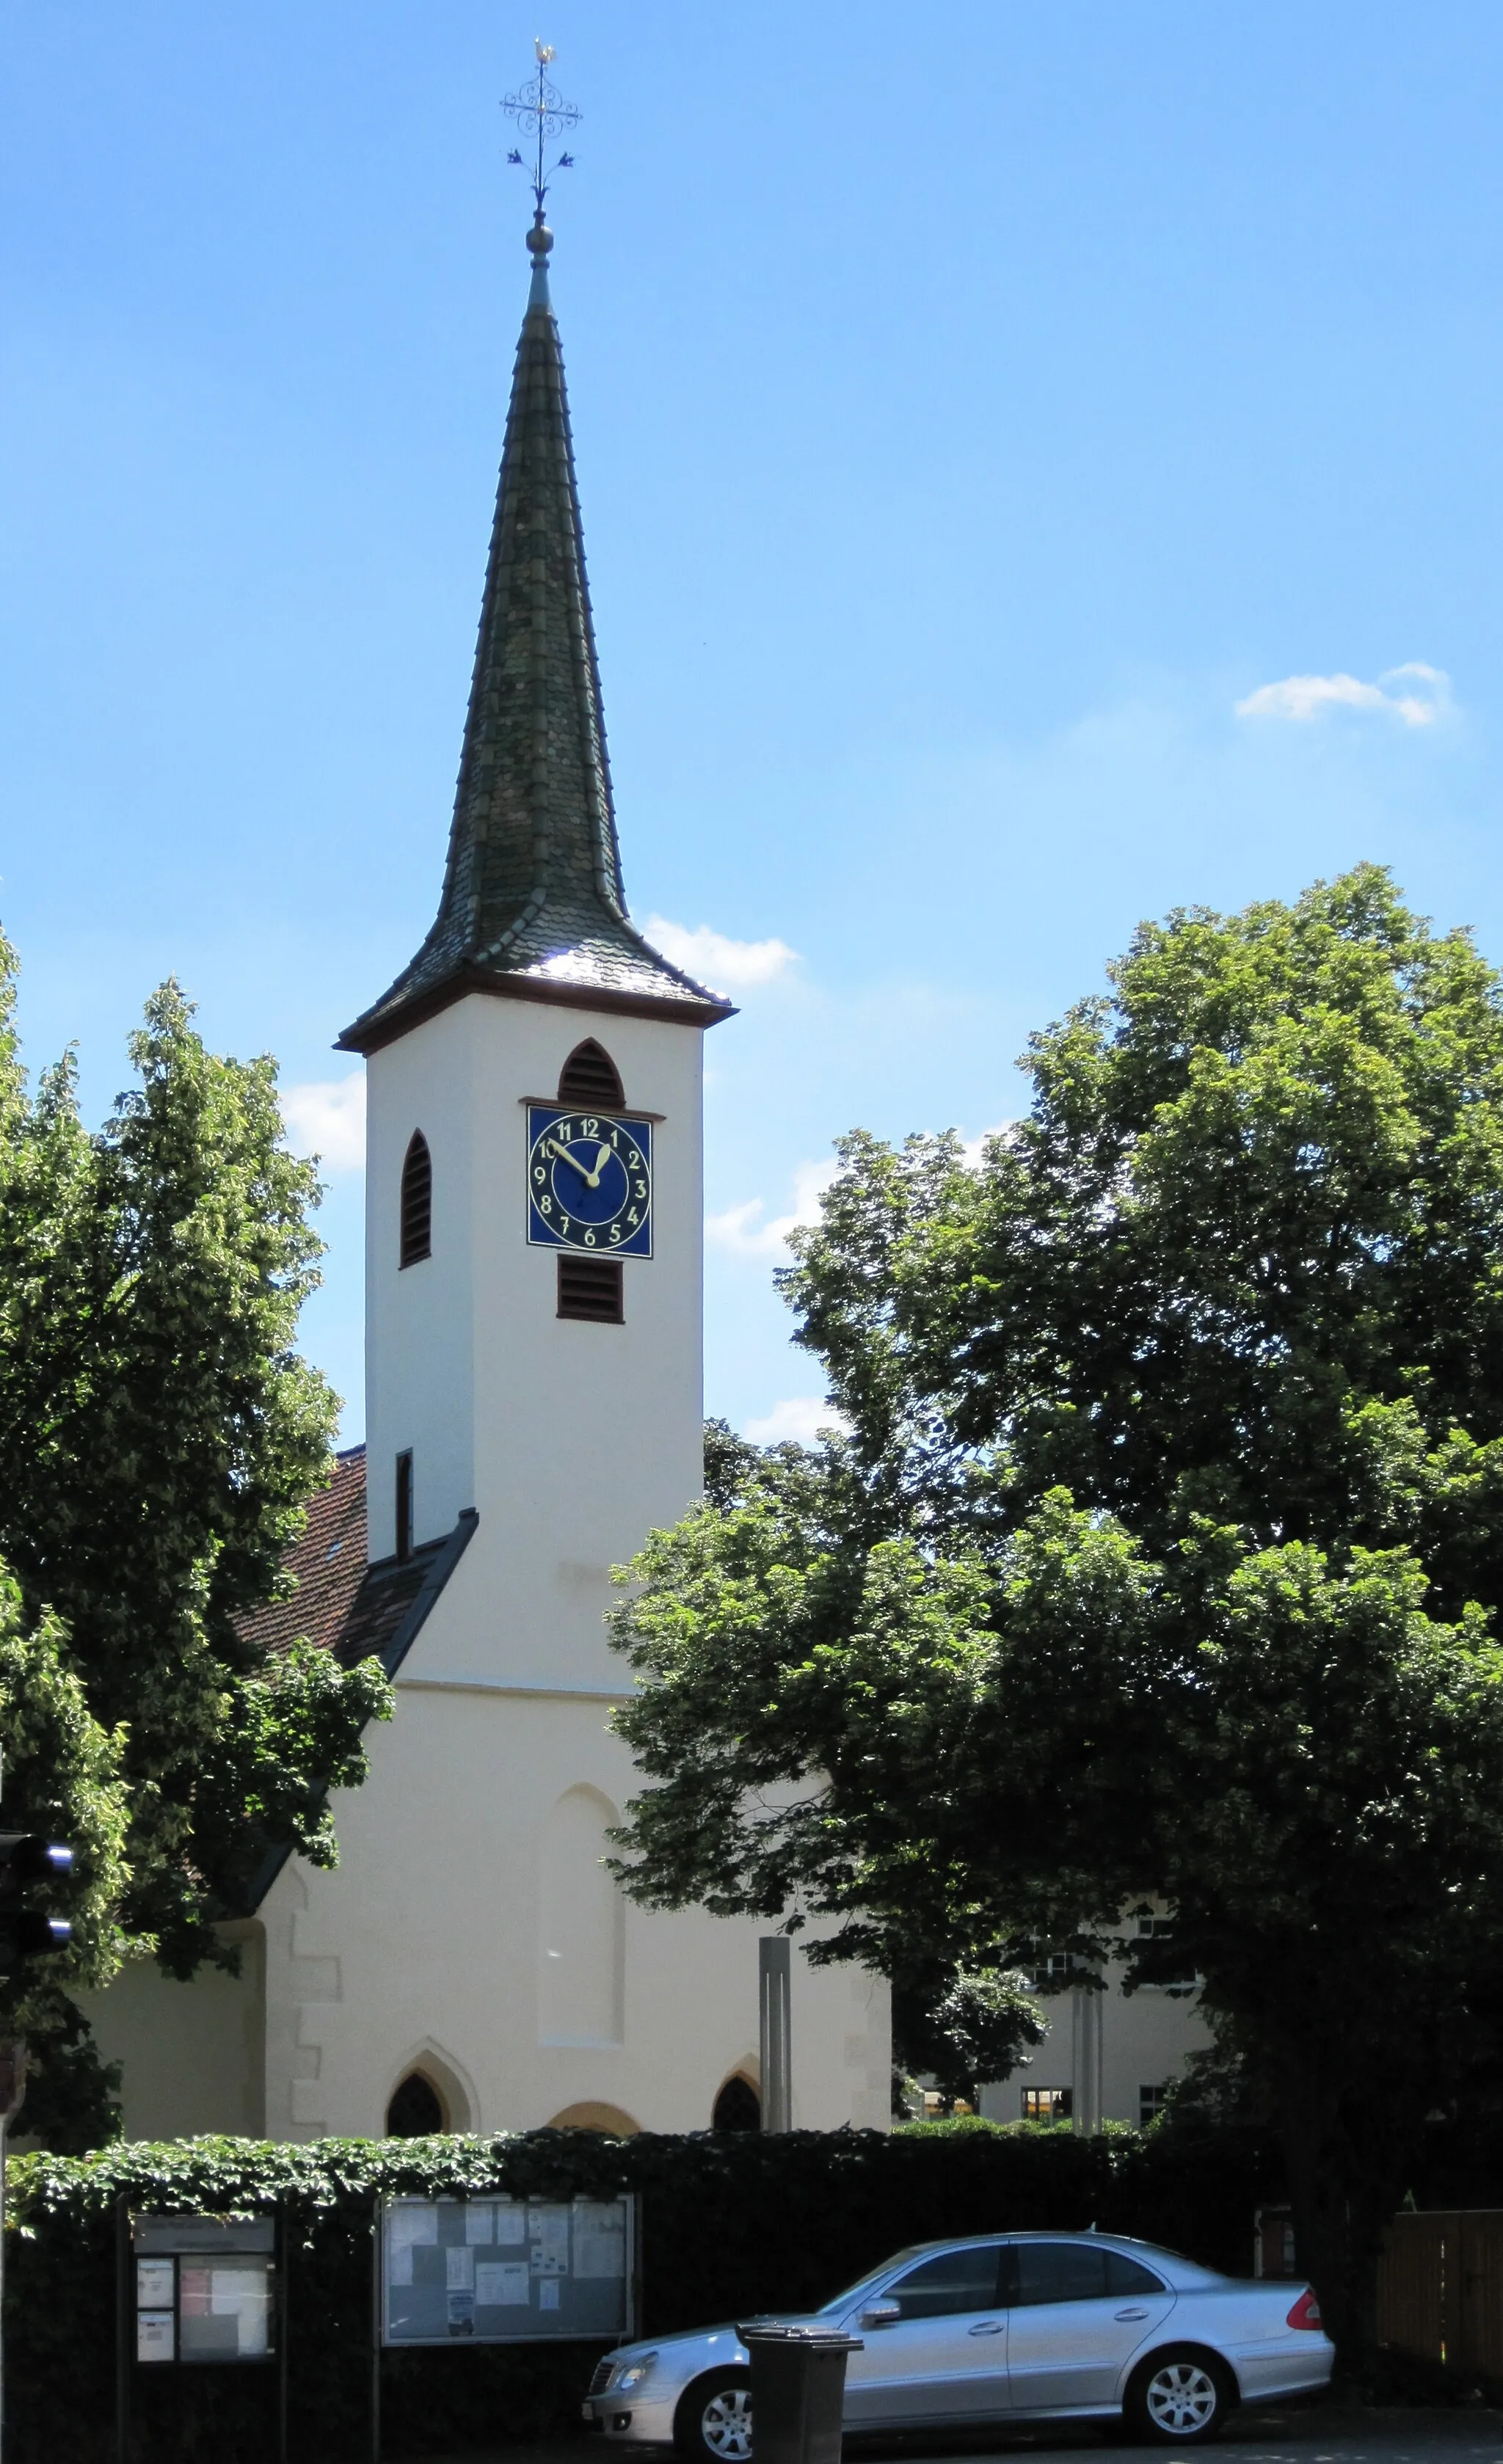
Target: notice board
[(506, 2271), (204, 2288)]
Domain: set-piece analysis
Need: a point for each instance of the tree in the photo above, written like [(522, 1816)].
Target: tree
[(62, 1779), (159, 1439), (959, 2027), (1162, 1557)]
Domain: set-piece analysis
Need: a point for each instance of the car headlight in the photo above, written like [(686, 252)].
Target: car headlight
[(634, 2373)]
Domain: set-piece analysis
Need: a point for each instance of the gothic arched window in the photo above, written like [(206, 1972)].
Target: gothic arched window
[(417, 1201), (737, 2106), (416, 2109), (590, 1076)]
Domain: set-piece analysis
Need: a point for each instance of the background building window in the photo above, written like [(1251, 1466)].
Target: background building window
[(1151, 2102), (416, 2109), (417, 1201), (1046, 2103), (590, 1076)]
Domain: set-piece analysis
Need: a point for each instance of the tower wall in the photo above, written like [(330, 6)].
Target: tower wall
[(572, 1439)]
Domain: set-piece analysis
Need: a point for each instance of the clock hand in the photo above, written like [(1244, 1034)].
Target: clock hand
[(592, 1179), (600, 1164)]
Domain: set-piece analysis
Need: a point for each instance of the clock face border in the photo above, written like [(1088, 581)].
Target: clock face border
[(543, 1234)]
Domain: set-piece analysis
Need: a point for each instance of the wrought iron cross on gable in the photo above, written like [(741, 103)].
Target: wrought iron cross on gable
[(542, 111)]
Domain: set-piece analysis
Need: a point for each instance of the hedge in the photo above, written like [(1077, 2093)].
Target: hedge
[(732, 2223)]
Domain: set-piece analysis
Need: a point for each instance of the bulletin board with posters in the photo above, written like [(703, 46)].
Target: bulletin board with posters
[(199, 2290), (204, 2288), (503, 2271)]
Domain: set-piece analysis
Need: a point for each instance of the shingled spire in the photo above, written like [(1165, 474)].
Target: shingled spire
[(533, 904)]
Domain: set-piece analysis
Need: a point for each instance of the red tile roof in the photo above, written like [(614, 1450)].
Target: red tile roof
[(328, 1565)]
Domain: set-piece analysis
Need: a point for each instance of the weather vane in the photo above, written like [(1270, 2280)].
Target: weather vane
[(544, 107)]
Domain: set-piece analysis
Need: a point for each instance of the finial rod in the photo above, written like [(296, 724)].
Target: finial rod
[(543, 107)]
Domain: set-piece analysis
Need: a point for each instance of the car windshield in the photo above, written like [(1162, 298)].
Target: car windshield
[(864, 2283)]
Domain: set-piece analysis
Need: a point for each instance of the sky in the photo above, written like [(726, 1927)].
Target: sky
[(1039, 467)]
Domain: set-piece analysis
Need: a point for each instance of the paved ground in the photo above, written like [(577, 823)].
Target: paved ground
[(1314, 2437)]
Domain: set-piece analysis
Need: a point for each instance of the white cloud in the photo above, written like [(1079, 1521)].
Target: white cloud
[(800, 1417), (973, 1151), (714, 958), (737, 1228), (327, 1118), (1423, 695)]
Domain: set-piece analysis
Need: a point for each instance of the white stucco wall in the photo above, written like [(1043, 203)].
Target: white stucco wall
[(191, 2055), (572, 1439), (428, 1948)]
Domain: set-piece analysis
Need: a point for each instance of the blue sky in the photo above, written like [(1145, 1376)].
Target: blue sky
[(981, 414)]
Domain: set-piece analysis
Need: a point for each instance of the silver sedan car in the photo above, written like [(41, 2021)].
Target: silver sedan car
[(1005, 2327)]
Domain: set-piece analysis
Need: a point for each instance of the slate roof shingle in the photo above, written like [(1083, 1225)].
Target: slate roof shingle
[(533, 902)]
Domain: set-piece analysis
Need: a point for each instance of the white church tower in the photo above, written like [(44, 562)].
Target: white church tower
[(534, 1221), (534, 1203)]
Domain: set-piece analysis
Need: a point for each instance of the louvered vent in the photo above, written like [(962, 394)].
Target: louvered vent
[(590, 1076), (417, 1202), (590, 1288)]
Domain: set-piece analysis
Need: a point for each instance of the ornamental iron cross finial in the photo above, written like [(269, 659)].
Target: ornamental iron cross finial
[(543, 106)]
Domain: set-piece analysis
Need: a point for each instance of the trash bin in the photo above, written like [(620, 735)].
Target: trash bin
[(798, 2389)]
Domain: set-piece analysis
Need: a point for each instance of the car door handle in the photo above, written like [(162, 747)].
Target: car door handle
[(1129, 2314), (988, 2327)]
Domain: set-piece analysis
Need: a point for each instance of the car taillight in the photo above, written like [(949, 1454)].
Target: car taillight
[(1306, 2312)]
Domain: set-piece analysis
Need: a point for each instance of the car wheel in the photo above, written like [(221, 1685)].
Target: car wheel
[(712, 2424), (1178, 2397)]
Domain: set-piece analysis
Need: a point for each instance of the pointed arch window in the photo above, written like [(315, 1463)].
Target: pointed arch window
[(417, 1201), (417, 2110), (590, 1076)]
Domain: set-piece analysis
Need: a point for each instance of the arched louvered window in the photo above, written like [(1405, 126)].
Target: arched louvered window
[(590, 1076), (417, 1202)]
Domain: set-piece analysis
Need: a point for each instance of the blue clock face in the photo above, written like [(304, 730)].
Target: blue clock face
[(589, 1182)]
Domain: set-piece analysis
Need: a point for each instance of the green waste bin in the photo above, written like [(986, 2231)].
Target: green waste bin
[(798, 2389)]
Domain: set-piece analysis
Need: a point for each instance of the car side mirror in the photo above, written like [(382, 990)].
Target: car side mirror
[(882, 2314)]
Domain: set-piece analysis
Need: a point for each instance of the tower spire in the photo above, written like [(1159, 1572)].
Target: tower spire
[(533, 903)]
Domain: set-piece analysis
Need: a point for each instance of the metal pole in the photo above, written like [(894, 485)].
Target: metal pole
[(284, 2241), (124, 2316), (5, 2129), (13, 2088), (776, 2032), (375, 2334)]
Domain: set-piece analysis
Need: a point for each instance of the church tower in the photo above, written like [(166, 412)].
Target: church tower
[(533, 1182), (534, 1227)]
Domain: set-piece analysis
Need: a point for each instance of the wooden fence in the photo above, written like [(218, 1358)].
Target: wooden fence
[(1440, 2287)]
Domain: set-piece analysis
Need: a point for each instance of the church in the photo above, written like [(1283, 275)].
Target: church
[(534, 1397)]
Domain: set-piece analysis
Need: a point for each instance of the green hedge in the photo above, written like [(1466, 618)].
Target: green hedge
[(732, 2224)]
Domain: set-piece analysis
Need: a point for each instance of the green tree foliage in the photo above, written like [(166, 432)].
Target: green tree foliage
[(159, 1439), (1160, 1562), (63, 1770), (959, 2027)]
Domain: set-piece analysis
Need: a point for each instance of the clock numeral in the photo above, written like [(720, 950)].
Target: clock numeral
[(545, 1205), (615, 1231), (564, 1222), (632, 1217), (635, 1160), (589, 1237), (538, 1173), (588, 1129)]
